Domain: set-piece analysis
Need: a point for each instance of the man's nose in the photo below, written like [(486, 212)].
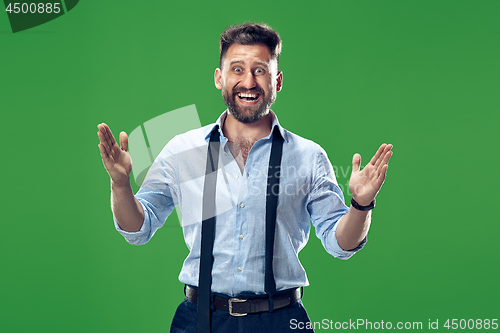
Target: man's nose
[(248, 81)]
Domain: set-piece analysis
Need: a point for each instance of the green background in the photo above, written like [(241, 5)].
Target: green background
[(422, 75)]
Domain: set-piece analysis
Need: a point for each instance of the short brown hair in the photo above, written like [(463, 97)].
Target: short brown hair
[(250, 33)]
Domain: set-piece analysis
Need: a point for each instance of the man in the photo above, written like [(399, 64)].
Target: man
[(251, 270)]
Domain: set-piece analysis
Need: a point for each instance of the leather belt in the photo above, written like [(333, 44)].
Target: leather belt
[(241, 307)]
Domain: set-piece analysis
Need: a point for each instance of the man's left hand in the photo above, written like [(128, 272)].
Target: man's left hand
[(365, 184)]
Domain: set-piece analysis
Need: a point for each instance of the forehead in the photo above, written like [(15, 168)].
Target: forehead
[(248, 53)]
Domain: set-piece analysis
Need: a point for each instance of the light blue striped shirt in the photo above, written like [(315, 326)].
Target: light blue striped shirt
[(308, 191)]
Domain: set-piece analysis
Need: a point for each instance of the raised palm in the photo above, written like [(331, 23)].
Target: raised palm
[(116, 160), (365, 184)]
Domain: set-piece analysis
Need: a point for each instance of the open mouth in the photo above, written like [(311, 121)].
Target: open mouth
[(248, 98)]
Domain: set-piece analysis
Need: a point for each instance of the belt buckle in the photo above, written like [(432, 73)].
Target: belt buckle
[(236, 300)]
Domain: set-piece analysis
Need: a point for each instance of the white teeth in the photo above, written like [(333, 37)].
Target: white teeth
[(247, 95)]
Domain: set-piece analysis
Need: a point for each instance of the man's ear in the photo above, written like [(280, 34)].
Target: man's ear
[(279, 81), (218, 78)]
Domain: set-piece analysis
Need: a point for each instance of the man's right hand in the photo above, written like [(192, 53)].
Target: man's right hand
[(116, 160)]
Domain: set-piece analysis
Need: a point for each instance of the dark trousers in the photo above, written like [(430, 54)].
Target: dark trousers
[(278, 321)]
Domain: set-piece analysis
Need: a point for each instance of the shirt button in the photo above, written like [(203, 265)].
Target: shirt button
[(239, 269), (242, 205), (236, 176), (241, 236)]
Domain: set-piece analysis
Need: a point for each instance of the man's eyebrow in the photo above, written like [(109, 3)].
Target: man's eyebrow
[(241, 62), (236, 62), (262, 63)]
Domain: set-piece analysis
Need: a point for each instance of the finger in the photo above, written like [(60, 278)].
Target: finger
[(102, 134), (387, 157), (110, 143), (106, 159), (385, 162), (103, 128), (356, 162), (380, 159), (377, 154), (110, 139), (102, 150), (382, 175), (102, 137), (102, 140), (124, 141), (104, 143)]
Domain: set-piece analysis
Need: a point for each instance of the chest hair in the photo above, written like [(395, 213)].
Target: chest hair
[(240, 149)]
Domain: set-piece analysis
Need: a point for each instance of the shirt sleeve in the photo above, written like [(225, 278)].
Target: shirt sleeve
[(157, 196), (326, 207)]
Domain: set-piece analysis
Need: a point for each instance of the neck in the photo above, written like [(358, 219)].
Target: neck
[(237, 131)]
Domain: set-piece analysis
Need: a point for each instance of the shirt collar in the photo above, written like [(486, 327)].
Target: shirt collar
[(222, 117)]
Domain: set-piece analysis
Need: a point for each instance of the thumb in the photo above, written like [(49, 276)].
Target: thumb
[(356, 162), (124, 141)]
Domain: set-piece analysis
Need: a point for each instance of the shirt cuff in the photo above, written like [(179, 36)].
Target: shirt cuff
[(137, 237), (339, 252)]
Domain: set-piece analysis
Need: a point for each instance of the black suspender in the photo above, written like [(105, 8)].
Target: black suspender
[(273, 186), (208, 234), (208, 225)]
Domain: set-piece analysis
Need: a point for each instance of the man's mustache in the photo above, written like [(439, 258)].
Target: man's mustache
[(242, 90)]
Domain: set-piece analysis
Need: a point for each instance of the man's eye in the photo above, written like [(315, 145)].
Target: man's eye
[(237, 69), (259, 71)]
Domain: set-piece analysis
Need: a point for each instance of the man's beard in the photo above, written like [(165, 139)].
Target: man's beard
[(257, 111)]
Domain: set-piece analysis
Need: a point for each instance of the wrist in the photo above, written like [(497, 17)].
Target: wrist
[(363, 207), (119, 185)]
